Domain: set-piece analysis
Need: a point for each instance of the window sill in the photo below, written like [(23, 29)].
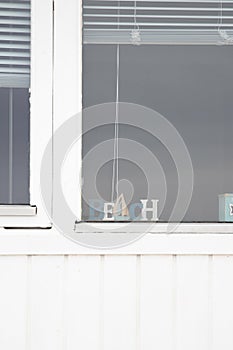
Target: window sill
[(190, 239), (149, 227), (17, 210)]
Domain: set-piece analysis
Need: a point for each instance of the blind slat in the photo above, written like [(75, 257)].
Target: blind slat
[(13, 46), (161, 24), (156, 16), (15, 21), (15, 43), (14, 30), (14, 80), (16, 62), (16, 70), (14, 37), (15, 54), (159, 1), (13, 13), (170, 37), (154, 8), (15, 5)]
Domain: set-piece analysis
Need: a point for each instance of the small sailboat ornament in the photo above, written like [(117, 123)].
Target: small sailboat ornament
[(120, 209)]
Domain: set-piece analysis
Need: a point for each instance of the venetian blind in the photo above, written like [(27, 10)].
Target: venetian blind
[(14, 43), (158, 22)]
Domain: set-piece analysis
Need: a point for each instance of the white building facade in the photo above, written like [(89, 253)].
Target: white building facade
[(171, 291)]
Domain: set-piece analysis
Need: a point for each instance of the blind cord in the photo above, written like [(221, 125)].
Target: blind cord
[(115, 166), (115, 170), (135, 33), (227, 39)]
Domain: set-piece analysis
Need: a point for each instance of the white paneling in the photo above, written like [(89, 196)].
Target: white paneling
[(46, 297), (192, 274), (157, 302), (118, 298), (222, 305), (111, 302), (13, 300), (82, 302)]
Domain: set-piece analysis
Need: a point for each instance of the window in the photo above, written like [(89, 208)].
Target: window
[(14, 95), (163, 65), (25, 104)]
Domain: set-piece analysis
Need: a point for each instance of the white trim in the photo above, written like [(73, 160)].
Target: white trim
[(17, 210), (41, 98), (50, 242), (68, 89)]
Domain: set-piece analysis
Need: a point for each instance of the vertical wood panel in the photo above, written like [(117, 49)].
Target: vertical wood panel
[(192, 302), (46, 303), (116, 302), (13, 299), (82, 303), (119, 303), (222, 302), (157, 289)]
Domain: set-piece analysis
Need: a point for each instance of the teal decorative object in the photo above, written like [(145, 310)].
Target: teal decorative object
[(226, 207)]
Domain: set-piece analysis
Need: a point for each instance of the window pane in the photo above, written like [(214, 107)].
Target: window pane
[(14, 146), (189, 85)]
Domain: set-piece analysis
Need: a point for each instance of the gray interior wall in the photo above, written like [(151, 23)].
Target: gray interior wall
[(189, 85)]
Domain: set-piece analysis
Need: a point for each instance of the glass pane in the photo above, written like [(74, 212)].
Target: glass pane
[(14, 146), (191, 86)]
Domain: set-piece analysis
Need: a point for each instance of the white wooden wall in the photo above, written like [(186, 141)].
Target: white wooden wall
[(126, 302)]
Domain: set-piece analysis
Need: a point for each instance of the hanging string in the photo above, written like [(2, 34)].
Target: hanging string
[(135, 15), (226, 38), (117, 121), (115, 170), (220, 18)]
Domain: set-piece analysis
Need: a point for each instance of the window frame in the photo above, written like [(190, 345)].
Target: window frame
[(204, 227), (41, 106), (69, 20)]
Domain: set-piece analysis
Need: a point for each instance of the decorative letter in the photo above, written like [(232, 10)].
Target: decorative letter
[(154, 209), (120, 210), (108, 210), (93, 209), (132, 209)]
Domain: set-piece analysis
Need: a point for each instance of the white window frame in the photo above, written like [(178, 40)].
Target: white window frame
[(68, 102), (41, 92)]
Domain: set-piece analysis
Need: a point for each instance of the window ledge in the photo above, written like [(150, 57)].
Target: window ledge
[(17, 210), (149, 227), (191, 239)]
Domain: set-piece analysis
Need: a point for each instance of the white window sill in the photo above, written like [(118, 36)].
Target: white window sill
[(192, 239), (141, 227), (17, 210)]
